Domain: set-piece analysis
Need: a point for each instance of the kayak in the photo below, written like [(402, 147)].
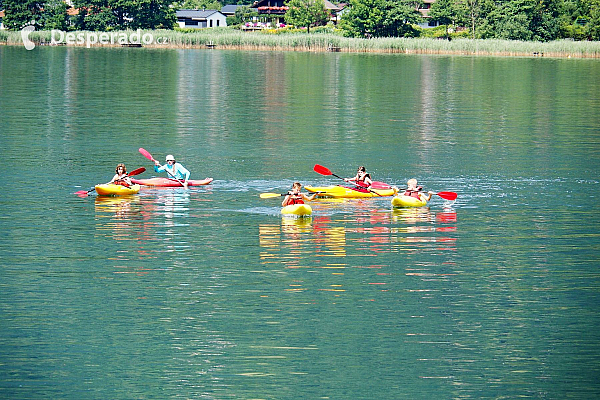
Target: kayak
[(299, 210), (166, 182), (351, 192), (110, 189), (407, 201)]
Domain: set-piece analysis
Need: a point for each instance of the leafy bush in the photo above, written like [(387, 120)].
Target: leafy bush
[(576, 32)]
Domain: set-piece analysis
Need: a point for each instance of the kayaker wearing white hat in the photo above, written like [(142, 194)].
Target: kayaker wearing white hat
[(174, 169)]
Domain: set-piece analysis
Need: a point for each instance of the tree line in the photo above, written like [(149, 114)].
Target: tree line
[(540, 20)]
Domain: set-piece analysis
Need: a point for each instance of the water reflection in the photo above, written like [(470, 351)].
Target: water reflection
[(173, 204), (340, 245)]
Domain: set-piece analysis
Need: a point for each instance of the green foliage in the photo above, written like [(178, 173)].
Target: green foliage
[(199, 5), (593, 25), (442, 32), (152, 14), (306, 13), (523, 20), (20, 13), (379, 18), (242, 15), (55, 15), (102, 15)]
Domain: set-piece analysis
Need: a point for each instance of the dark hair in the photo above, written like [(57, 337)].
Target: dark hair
[(121, 165), (362, 169)]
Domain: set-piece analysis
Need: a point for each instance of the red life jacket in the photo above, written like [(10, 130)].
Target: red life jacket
[(362, 182), (413, 193), (121, 182), (295, 200)]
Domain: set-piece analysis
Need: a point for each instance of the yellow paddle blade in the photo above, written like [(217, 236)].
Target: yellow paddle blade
[(270, 195)]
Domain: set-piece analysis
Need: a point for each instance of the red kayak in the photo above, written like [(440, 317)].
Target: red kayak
[(166, 182)]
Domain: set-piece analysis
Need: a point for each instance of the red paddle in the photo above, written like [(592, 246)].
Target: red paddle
[(447, 195), (85, 193), (319, 169), (146, 154)]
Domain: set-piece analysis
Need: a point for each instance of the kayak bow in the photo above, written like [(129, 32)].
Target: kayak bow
[(407, 201), (298, 210)]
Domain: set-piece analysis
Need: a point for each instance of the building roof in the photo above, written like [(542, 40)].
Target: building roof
[(195, 13), (230, 8), (330, 6)]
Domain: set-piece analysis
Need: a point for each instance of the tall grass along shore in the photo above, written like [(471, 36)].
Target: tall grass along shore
[(268, 40)]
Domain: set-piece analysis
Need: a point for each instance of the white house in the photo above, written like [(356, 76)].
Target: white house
[(200, 19)]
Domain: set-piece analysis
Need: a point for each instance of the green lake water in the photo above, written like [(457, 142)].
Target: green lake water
[(210, 294)]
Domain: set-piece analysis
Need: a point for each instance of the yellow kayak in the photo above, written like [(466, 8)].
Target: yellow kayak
[(110, 189), (408, 201), (299, 210), (348, 192)]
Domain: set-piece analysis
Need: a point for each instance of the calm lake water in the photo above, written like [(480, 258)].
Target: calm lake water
[(210, 293)]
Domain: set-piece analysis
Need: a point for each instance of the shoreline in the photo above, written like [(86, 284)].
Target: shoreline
[(229, 39)]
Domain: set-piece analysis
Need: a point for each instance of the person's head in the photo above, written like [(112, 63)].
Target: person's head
[(412, 183), (296, 187), (362, 169), (121, 169), (170, 159)]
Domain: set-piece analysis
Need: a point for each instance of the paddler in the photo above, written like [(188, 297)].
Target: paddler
[(174, 169), (121, 177), (413, 190), (361, 179), (295, 197)]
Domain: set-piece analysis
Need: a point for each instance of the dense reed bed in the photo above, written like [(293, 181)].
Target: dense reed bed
[(227, 38)]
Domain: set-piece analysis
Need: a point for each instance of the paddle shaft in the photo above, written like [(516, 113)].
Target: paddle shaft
[(445, 195)]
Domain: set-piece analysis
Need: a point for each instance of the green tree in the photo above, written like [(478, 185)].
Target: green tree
[(103, 15), (55, 15), (199, 5), (445, 12), (475, 12), (363, 18), (593, 25), (152, 14), (523, 20), (306, 13), (242, 14), (371, 18), (20, 13), (399, 15)]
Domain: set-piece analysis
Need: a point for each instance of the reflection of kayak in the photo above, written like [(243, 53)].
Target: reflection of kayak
[(297, 210), (110, 189), (166, 182), (349, 192), (407, 201)]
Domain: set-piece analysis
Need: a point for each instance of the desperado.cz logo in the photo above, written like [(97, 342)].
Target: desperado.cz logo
[(92, 38)]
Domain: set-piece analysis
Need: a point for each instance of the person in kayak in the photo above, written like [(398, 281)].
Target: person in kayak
[(174, 169), (295, 197), (121, 177), (413, 190), (361, 179)]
